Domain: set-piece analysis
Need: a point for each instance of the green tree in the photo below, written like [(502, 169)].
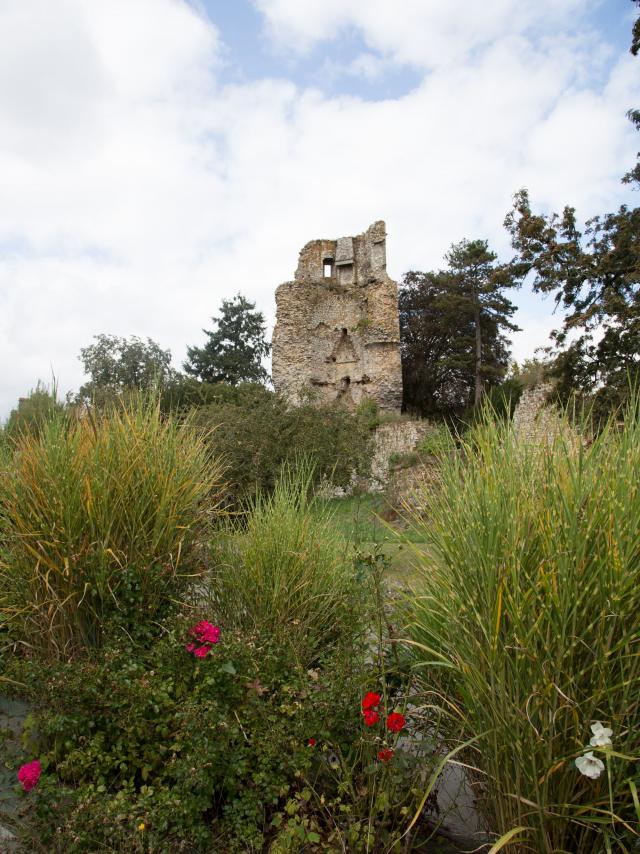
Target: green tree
[(118, 364), (33, 411), (481, 283), (531, 372), (234, 350), (633, 177), (452, 325), (594, 275)]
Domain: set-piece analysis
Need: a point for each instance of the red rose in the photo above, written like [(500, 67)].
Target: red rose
[(370, 717), (385, 754), (312, 742), (370, 701), (29, 774), (395, 722)]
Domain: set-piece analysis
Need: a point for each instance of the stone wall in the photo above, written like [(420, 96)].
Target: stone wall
[(337, 333), (533, 419), (398, 437)]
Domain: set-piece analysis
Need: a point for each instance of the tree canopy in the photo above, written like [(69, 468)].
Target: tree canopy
[(452, 329), (117, 364), (234, 350), (594, 275), (33, 411)]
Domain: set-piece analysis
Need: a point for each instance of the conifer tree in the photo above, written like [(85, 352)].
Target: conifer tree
[(452, 329), (234, 350)]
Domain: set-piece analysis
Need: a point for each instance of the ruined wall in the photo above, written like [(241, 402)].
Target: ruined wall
[(533, 418), (401, 437), (337, 331)]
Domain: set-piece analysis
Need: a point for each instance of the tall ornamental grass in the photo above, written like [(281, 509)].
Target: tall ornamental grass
[(526, 622), (286, 574), (100, 517)]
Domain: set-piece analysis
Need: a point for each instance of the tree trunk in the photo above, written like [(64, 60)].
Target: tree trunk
[(478, 384)]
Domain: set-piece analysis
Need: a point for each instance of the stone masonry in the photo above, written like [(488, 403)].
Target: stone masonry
[(337, 333)]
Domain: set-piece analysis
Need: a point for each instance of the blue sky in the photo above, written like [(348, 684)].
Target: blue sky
[(251, 55), (161, 155)]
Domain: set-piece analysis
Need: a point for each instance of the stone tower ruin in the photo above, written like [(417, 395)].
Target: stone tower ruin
[(337, 331)]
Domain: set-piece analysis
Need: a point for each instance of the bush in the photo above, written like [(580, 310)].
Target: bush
[(285, 573), (437, 441), (99, 522), (156, 750), (33, 412), (368, 412), (526, 618), (159, 751), (257, 433)]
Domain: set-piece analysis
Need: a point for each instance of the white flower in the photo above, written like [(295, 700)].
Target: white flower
[(589, 765), (601, 735)]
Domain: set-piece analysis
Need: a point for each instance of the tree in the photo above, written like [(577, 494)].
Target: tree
[(117, 364), (531, 372), (481, 281), (452, 325), (594, 276), (633, 177), (435, 340), (33, 411), (234, 351)]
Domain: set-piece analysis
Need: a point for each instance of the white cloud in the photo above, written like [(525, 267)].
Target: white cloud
[(425, 33), (139, 189)]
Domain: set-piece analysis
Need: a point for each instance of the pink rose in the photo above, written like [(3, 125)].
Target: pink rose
[(29, 774)]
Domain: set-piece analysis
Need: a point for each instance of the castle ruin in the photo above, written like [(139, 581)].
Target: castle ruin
[(337, 331)]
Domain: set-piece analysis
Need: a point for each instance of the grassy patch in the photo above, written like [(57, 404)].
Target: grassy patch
[(367, 521)]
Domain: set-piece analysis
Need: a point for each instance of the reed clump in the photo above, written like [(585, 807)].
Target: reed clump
[(524, 621), (284, 573), (100, 516)]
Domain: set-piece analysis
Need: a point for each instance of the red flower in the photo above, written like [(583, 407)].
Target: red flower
[(395, 722), (201, 651), (206, 632), (370, 717), (370, 701), (29, 775), (385, 754), (206, 635), (312, 742)]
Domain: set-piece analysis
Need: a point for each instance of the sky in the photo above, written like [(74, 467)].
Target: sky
[(157, 156)]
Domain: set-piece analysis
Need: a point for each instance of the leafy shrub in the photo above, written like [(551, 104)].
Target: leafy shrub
[(99, 522), (525, 617), (160, 751), (502, 399), (156, 750), (437, 441), (285, 573), (257, 433), (33, 411), (368, 412), (403, 460)]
